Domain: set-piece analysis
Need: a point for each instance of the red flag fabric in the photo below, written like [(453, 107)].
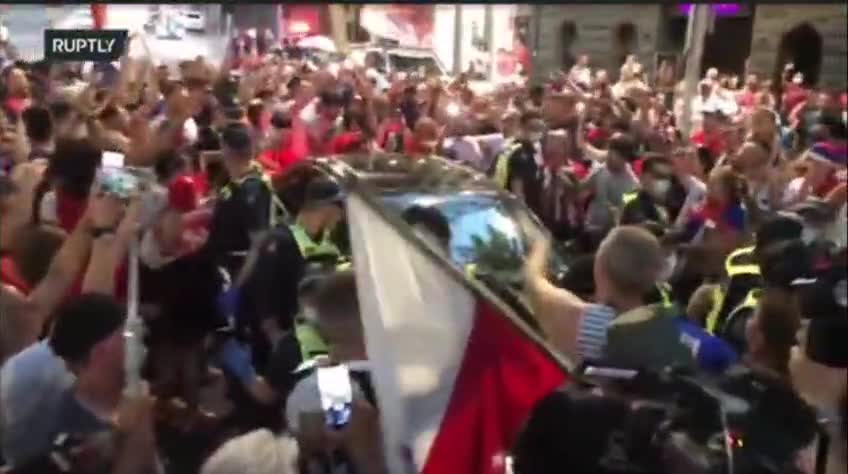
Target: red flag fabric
[(98, 13), (455, 377)]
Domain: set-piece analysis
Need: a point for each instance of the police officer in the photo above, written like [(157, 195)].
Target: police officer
[(742, 268), (648, 202), (272, 287), (520, 168), (246, 205)]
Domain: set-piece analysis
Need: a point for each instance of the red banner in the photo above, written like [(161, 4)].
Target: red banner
[(98, 13)]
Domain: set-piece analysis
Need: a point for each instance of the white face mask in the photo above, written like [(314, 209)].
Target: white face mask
[(309, 314), (535, 137), (668, 270)]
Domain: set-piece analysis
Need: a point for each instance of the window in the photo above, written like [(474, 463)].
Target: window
[(568, 35)]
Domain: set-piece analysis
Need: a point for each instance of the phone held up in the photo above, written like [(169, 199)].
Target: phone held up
[(336, 395)]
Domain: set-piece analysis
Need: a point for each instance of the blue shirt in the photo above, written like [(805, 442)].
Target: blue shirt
[(712, 354)]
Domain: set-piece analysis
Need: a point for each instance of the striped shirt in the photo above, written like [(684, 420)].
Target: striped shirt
[(592, 333)]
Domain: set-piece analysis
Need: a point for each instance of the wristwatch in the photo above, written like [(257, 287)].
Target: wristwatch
[(97, 232)]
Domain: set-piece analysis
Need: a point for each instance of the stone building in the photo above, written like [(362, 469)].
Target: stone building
[(761, 38)]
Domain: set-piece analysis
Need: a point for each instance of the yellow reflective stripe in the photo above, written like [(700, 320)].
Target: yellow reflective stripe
[(735, 270), (311, 343), (731, 268), (751, 299), (471, 270), (502, 166), (309, 248), (627, 197), (712, 318), (665, 293)]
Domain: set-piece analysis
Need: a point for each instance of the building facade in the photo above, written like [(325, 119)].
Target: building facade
[(748, 37)]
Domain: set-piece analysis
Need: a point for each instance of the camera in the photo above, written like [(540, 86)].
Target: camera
[(622, 421)]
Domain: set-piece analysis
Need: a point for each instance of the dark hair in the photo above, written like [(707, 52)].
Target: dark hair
[(336, 298), (168, 164), (75, 164), (624, 145), (430, 218), (60, 110), (579, 278), (83, 323), (38, 123)]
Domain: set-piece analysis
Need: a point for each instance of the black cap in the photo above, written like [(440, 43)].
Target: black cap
[(778, 228), (787, 264), (323, 191), (236, 136), (826, 341), (83, 323)]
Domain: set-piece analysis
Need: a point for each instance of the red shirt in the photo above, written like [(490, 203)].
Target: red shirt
[(10, 275), (712, 142), (70, 210)]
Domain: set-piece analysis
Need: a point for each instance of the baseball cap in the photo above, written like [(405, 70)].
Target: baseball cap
[(787, 264), (236, 136), (778, 228), (323, 191)]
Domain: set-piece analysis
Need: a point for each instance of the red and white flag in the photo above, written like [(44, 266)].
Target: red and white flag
[(455, 378)]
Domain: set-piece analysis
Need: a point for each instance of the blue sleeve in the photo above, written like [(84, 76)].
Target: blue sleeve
[(715, 356), (736, 218)]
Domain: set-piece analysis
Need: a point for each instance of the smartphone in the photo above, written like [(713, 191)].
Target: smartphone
[(112, 159), (336, 395)]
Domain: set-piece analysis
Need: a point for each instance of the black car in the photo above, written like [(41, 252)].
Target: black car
[(491, 230)]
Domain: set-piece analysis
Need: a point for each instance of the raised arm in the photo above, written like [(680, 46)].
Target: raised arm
[(557, 311)]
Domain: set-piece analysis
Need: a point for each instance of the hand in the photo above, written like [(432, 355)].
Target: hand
[(105, 211), (135, 421), (131, 222), (237, 358)]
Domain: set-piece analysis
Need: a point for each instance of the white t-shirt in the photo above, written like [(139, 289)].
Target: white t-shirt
[(696, 192)]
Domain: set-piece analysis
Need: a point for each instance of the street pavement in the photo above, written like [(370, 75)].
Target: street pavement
[(27, 23)]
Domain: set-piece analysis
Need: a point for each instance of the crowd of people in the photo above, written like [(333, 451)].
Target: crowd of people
[(715, 247)]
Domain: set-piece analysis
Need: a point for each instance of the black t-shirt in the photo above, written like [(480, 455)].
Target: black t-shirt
[(642, 209), (523, 166)]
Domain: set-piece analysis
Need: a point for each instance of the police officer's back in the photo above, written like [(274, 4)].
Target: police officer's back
[(245, 206), (288, 249)]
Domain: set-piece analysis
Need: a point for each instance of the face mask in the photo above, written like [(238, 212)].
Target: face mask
[(309, 314)]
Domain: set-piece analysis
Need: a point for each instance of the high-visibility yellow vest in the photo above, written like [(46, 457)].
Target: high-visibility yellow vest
[(311, 343), (626, 198), (277, 211), (733, 267), (309, 247), (502, 166), (665, 294)]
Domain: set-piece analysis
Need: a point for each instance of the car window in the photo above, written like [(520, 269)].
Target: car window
[(410, 64)]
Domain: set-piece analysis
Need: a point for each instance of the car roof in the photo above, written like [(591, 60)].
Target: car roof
[(387, 172)]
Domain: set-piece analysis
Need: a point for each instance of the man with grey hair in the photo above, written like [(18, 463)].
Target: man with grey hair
[(616, 329), (257, 452)]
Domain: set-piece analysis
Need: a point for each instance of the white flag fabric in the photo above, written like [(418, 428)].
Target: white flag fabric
[(455, 379)]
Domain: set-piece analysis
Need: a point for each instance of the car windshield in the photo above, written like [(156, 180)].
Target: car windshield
[(412, 63), (484, 231)]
